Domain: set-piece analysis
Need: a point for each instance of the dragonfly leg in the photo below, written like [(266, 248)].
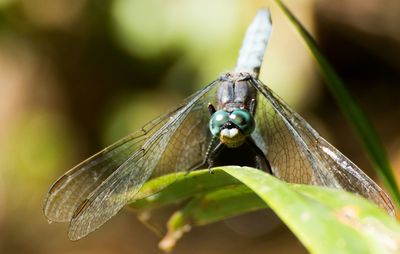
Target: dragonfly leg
[(211, 109), (198, 165), (252, 107), (214, 148), (260, 155), (214, 154)]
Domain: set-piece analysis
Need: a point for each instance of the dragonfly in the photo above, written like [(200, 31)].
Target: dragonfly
[(234, 120)]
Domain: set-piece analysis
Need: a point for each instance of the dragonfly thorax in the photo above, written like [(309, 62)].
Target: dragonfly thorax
[(235, 91)]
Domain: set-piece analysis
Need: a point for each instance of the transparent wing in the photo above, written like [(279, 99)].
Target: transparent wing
[(298, 154), (177, 143), (71, 189)]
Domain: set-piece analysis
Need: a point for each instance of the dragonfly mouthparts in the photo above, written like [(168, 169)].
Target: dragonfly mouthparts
[(232, 137), (230, 133)]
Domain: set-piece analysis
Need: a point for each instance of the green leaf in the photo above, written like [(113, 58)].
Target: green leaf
[(350, 108), (213, 206), (325, 220), (221, 204), (184, 186), (213, 197)]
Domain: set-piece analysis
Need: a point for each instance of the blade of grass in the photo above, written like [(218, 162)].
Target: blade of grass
[(351, 110), (324, 220)]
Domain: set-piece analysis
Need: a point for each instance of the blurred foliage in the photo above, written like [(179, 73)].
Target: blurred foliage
[(76, 76)]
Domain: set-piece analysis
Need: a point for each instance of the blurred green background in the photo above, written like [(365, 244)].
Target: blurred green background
[(77, 75)]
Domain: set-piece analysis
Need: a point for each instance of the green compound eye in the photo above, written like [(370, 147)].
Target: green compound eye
[(244, 120), (218, 119)]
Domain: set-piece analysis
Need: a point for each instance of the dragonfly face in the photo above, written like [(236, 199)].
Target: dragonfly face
[(234, 121), (232, 128), (250, 123), (233, 124)]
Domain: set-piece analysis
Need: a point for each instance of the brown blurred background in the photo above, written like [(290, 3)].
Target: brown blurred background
[(77, 75)]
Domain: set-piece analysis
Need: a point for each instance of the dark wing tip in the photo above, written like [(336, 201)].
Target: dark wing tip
[(387, 203), (82, 207)]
